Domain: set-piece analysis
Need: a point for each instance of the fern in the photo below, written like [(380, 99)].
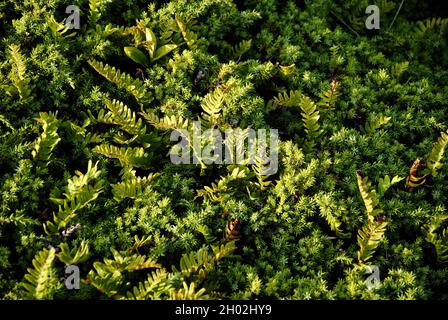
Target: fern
[(132, 188), (374, 124), (197, 265), (284, 99), (74, 256), (439, 241), (133, 86), (48, 140), (121, 115), (127, 156), (79, 193), (156, 287), (21, 82), (188, 293), (434, 158), (385, 183), (216, 190), (212, 106), (167, 122), (330, 96), (241, 48), (261, 171), (369, 238), (329, 210), (428, 24), (108, 277), (399, 68), (310, 119), (40, 282), (369, 196), (189, 36)]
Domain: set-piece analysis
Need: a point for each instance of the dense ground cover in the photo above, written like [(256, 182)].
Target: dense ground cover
[(86, 179)]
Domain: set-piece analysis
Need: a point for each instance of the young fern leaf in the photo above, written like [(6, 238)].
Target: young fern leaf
[(439, 241), (121, 115), (386, 183), (428, 24), (156, 287), (188, 293), (48, 140), (369, 196), (197, 265), (284, 100), (212, 106), (330, 96), (166, 123), (108, 277), (374, 124), (132, 188), (310, 118), (369, 238), (79, 193), (40, 282), (434, 158), (216, 190), (21, 83), (127, 156), (241, 48), (133, 86), (328, 210), (74, 256), (261, 170)]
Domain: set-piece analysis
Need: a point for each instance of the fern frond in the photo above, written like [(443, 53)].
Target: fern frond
[(216, 190), (428, 24), (156, 287), (261, 170), (40, 281), (133, 86), (440, 241), (434, 158), (48, 139), (328, 210), (188, 293), (167, 122), (386, 183), (369, 196), (121, 115), (241, 48), (330, 96), (74, 256), (369, 238), (284, 99), (127, 156), (79, 193), (310, 119), (399, 68), (132, 188), (212, 106), (108, 277), (374, 124)]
